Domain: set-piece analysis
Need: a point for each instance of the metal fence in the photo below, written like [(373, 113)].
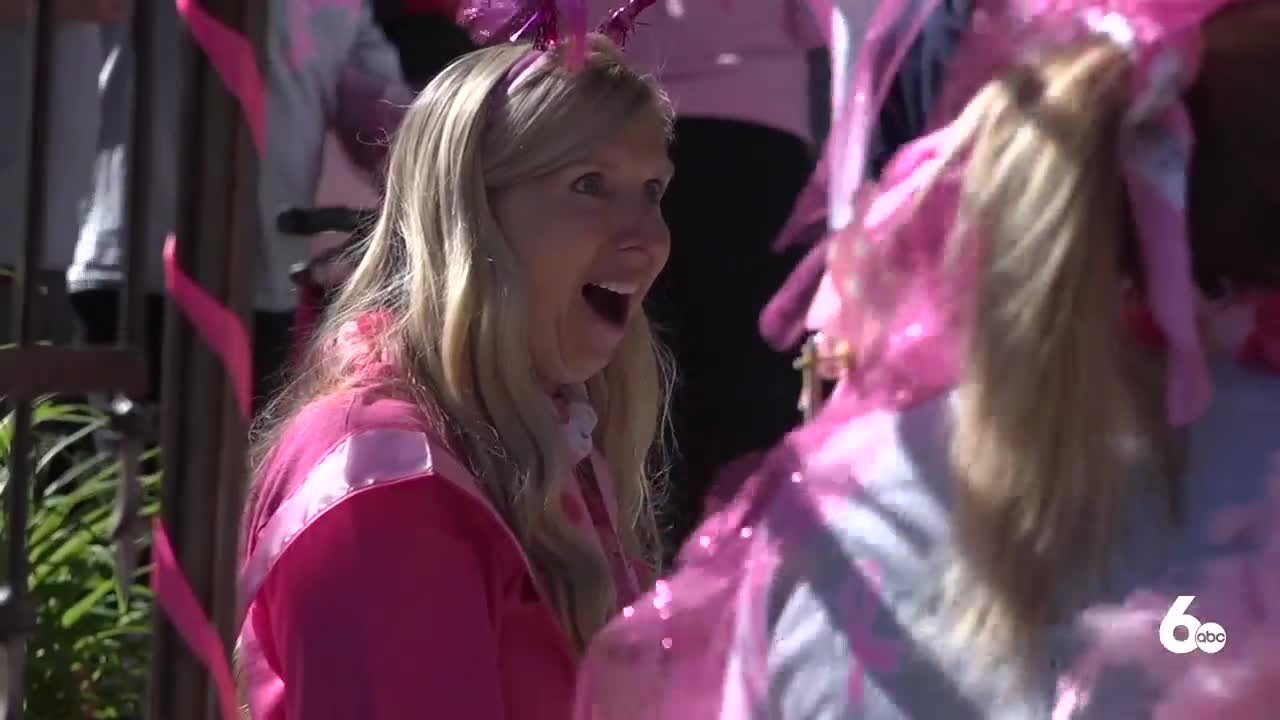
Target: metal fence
[(202, 434)]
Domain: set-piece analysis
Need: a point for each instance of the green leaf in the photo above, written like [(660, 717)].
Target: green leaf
[(134, 630), (76, 544), (87, 603), (67, 441), (6, 435), (90, 648), (77, 471), (48, 409)]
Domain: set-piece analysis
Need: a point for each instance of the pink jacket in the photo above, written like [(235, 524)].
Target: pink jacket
[(382, 585)]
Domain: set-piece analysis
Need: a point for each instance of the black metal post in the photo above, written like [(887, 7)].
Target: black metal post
[(17, 492), (132, 329)]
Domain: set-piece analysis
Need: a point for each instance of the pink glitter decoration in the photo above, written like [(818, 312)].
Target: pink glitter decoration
[(539, 21), (622, 22)]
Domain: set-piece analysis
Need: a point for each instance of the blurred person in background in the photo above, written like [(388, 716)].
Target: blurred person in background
[(738, 76), (327, 66), (72, 128)]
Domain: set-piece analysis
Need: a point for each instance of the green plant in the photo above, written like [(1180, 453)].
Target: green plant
[(88, 657)]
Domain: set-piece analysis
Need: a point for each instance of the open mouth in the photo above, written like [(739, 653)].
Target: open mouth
[(608, 300)]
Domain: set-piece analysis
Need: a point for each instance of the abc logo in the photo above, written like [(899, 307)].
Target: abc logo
[(1207, 637)]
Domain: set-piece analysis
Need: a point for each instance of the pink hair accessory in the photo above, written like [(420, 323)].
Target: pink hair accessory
[(539, 21), (621, 22)]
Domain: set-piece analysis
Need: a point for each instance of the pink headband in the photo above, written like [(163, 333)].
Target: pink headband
[(538, 21), (886, 291)]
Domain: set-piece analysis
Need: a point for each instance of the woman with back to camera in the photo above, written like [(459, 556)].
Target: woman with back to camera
[(456, 492), (1058, 323)]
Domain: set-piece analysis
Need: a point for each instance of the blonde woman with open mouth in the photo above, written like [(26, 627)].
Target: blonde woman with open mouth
[(456, 493)]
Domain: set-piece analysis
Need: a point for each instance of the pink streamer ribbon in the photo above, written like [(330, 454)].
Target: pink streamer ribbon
[(235, 62), (223, 332), (174, 596), (220, 328)]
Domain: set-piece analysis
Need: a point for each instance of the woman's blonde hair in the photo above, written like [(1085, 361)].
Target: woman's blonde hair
[(1059, 420), (438, 263), (1048, 383)]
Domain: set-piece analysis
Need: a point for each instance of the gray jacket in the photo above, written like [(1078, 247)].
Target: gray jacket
[(902, 526)]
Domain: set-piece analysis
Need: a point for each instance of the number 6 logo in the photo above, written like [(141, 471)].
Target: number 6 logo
[(1209, 637), (1177, 617)]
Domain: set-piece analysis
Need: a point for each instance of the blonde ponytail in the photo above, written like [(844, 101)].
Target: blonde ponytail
[(1049, 397)]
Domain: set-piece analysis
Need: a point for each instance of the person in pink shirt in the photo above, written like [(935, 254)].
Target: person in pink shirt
[(455, 493)]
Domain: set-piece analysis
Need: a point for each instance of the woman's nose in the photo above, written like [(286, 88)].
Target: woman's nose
[(645, 229), (641, 220)]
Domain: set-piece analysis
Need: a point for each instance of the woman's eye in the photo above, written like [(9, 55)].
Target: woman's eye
[(589, 184), (654, 190)]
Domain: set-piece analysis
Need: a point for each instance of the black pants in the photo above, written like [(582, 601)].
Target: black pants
[(97, 312), (734, 188)]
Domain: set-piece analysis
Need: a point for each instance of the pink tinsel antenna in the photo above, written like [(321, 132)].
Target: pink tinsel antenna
[(539, 21), (622, 21)]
